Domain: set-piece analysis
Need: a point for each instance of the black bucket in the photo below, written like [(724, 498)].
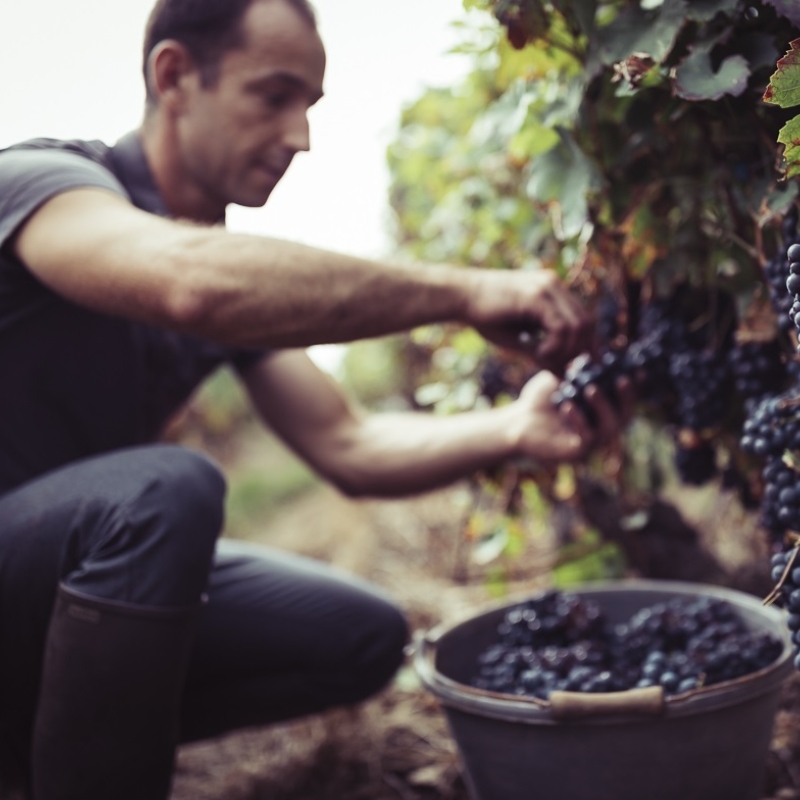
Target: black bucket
[(707, 744)]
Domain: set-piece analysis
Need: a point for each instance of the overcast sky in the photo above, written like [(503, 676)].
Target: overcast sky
[(71, 69)]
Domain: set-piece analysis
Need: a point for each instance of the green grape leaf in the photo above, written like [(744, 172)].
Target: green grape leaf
[(790, 9), (777, 201), (759, 49), (706, 10), (532, 141), (784, 84), (789, 136), (695, 78), (649, 33), (566, 176), (581, 11)]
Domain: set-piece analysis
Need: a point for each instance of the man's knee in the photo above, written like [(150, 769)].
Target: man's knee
[(379, 650), (187, 489), (156, 547)]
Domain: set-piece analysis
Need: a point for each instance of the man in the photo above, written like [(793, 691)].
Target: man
[(125, 626)]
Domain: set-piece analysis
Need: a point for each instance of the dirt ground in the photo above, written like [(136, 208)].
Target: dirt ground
[(396, 746)]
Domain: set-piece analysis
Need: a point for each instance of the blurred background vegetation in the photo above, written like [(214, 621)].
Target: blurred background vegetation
[(620, 143)]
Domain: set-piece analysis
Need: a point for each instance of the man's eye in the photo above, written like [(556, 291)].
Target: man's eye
[(276, 99)]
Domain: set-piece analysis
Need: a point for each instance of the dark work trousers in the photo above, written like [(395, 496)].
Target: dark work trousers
[(279, 636)]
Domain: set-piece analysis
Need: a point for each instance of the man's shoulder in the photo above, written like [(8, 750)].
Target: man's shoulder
[(93, 149), (39, 167), (57, 159), (34, 171)]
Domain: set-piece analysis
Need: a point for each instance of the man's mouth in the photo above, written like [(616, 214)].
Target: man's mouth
[(275, 171)]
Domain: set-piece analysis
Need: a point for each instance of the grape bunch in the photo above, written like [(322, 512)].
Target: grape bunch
[(670, 366), (492, 379), (786, 574), (607, 313), (771, 429), (793, 284), (784, 299), (772, 426), (757, 368), (702, 383), (701, 379), (695, 459), (560, 641), (645, 361), (583, 372)]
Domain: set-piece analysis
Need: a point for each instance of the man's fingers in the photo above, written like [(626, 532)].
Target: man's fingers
[(610, 416), (566, 328), (583, 436)]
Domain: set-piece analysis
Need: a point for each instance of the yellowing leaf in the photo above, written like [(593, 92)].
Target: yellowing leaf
[(784, 85), (789, 136)]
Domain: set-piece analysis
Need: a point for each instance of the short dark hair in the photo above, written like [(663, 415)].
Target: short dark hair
[(207, 28)]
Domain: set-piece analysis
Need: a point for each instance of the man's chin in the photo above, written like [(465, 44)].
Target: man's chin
[(253, 199)]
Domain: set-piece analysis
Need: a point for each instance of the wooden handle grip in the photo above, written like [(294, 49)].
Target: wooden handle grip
[(574, 705)]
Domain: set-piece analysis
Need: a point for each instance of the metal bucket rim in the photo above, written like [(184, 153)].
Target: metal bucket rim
[(532, 710)]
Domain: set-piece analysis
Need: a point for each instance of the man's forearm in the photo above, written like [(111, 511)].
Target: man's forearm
[(97, 250), (251, 290), (408, 453)]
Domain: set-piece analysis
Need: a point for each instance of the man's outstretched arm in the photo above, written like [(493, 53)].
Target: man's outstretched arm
[(96, 249), (395, 454)]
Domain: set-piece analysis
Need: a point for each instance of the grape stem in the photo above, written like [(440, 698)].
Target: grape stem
[(776, 590)]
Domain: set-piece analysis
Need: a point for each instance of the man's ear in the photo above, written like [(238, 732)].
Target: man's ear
[(171, 74)]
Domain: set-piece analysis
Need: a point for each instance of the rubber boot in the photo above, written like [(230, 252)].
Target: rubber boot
[(106, 724)]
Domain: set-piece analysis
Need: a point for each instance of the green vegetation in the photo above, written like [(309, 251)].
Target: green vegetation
[(624, 144), (262, 473)]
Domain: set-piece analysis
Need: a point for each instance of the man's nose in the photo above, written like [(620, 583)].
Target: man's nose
[(297, 133)]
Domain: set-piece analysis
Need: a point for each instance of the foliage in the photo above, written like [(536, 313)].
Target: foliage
[(370, 370), (256, 492), (622, 143), (628, 139), (784, 90), (261, 472)]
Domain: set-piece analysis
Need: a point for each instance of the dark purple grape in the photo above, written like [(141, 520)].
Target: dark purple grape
[(680, 645), (787, 263), (757, 368), (787, 590)]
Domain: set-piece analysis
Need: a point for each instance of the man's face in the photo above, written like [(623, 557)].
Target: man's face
[(238, 136)]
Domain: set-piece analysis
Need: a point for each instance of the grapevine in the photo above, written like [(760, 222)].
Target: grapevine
[(629, 151)]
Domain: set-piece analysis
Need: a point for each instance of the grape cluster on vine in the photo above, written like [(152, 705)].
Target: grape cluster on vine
[(700, 376), (786, 574), (757, 368), (793, 283), (700, 379), (690, 379)]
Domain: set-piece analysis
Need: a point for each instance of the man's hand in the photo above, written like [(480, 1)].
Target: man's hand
[(554, 435), (534, 313)]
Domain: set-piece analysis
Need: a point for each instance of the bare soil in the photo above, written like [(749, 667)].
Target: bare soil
[(396, 746)]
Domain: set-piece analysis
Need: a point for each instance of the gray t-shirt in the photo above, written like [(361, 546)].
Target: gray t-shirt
[(74, 382)]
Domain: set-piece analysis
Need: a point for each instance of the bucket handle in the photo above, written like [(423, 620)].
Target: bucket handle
[(561, 705), (647, 700)]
